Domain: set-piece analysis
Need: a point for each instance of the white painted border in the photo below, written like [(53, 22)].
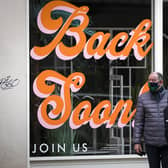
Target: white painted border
[(158, 36), (93, 157), (28, 83), (70, 158)]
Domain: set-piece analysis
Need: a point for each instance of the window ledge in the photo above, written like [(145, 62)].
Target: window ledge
[(95, 157)]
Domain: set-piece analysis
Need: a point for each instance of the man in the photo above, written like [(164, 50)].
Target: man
[(149, 122)]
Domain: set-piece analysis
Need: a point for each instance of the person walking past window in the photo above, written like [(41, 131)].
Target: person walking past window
[(150, 122)]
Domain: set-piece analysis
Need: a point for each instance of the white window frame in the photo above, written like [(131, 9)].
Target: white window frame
[(158, 35), (157, 51)]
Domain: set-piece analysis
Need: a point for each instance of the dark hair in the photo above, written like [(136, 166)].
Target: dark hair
[(160, 76)]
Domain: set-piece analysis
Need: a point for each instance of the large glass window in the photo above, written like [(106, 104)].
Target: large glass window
[(109, 77)]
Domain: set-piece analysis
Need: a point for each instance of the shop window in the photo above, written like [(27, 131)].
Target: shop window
[(106, 79)]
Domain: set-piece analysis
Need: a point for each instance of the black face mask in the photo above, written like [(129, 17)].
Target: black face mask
[(153, 86)]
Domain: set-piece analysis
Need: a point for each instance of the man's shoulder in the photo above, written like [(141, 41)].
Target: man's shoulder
[(148, 95), (145, 95), (166, 90)]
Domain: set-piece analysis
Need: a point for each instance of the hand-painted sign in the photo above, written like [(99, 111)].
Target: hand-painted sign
[(119, 47), (138, 37)]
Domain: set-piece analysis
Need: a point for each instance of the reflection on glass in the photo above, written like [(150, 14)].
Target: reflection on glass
[(105, 80)]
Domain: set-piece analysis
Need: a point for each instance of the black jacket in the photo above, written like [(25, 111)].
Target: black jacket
[(166, 122), (150, 120)]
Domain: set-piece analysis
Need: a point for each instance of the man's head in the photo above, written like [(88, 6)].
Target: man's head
[(155, 81)]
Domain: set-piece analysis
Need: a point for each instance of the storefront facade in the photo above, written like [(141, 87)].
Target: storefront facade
[(74, 71)]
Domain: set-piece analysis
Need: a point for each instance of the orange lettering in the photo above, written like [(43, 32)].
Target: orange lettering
[(77, 119), (99, 51), (61, 106), (48, 25), (97, 118), (135, 40)]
